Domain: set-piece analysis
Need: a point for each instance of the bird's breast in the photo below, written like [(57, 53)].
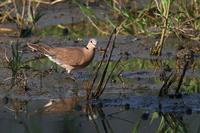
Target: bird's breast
[(88, 57)]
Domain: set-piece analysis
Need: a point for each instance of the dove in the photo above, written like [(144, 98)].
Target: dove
[(70, 58)]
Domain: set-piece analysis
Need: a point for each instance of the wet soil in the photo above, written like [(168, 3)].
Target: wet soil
[(45, 99)]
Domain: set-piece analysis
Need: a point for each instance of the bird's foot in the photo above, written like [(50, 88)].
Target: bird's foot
[(71, 77)]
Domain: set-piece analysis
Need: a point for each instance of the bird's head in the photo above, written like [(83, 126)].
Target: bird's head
[(92, 44)]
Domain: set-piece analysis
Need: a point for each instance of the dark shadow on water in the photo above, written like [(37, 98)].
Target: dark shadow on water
[(172, 103)]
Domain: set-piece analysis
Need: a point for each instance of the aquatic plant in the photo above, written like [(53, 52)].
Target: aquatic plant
[(16, 59), (169, 122), (105, 77), (89, 13), (164, 13), (15, 64), (165, 17), (24, 13)]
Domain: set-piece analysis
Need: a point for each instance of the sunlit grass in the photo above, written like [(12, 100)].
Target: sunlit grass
[(74, 31)]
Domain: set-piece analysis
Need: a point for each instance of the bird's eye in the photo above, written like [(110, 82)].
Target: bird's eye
[(91, 41)]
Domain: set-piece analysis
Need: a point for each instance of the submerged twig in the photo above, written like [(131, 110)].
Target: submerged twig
[(102, 82), (101, 62), (166, 83), (182, 76), (100, 91), (169, 81), (106, 67)]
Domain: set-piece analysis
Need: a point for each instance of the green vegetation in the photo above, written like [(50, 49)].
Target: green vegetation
[(73, 31), (169, 123), (166, 17), (15, 63), (158, 18), (17, 66), (23, 13)]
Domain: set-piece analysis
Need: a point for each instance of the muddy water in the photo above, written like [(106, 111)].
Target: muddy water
[(43, 97), (49, 101)]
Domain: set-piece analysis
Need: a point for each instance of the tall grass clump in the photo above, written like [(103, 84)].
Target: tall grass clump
[(24, 13), (157, 17), (15, 61)]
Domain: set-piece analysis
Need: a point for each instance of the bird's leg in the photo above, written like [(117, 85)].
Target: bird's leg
[(68, 71), (70, 76), (193, 66)]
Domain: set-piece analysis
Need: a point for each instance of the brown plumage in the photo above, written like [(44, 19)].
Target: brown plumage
[(69, 58)]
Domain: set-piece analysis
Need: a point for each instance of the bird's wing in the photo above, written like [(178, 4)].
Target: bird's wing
[(69, 56)]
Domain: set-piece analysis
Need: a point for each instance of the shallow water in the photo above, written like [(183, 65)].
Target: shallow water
[(45, 99), (129, 103)]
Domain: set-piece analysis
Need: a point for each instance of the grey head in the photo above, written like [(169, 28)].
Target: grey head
[(92, 43)]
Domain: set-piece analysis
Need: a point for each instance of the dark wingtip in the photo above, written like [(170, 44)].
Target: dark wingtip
[(38, 47), (32, 46)]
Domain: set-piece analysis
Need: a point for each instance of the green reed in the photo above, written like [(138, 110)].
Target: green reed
[(15, 62), (24, 13), (167, 17)]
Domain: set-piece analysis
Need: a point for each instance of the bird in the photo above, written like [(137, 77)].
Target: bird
[(70, 58)]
